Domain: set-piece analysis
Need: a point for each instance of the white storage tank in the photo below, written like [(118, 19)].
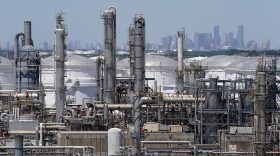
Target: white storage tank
[(115, 141), (7, 74), (80, 79)]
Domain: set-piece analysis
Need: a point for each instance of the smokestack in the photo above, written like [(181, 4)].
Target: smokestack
[(109, 53), (59, 58), (180, 63), (27, 32)]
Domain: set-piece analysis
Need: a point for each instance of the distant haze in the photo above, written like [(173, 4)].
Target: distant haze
[(163, 17)]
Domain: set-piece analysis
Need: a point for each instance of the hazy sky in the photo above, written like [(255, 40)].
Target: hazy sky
[(163, 17)]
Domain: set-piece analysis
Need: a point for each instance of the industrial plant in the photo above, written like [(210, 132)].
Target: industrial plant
[(145, 104)]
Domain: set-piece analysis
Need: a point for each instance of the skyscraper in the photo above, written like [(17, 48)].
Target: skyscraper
[(240, 37), (45, 46), (217, 38), (265, 45), (202, 41), (230, 39), (8, 45), (195, 41), (166, 42)]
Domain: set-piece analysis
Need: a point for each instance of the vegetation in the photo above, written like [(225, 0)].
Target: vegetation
[(189, 54)]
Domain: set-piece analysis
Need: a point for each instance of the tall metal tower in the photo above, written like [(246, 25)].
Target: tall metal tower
[(180, 64), (109, 17), (59, 58)]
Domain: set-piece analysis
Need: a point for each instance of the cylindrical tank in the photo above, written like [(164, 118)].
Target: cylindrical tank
[(115, 141)]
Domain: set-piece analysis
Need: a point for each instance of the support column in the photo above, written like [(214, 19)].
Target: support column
[(18, 145)]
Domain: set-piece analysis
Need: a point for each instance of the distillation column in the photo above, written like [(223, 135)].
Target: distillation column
[(260, 113), (131, 44), (180, 64), (109, 53), (59, 58), (99, 78), (139, 48), (139, 37)]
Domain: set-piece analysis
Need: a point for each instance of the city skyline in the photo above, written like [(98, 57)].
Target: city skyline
[(199, 41), (85, 25), (216, 40)]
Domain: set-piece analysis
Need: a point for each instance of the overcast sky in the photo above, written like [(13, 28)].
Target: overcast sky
[(163, 17)]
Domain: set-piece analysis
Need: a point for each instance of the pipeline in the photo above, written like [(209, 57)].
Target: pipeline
[(137, 121), (16, 48), (173, 142), (165, 99)]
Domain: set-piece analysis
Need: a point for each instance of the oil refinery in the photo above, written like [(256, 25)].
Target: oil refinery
[(68, 104)]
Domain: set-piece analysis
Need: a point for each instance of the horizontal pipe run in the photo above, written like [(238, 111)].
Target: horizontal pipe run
[(180, 99), (115, 106), (48, 147), (166, 142), (173, 142)]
